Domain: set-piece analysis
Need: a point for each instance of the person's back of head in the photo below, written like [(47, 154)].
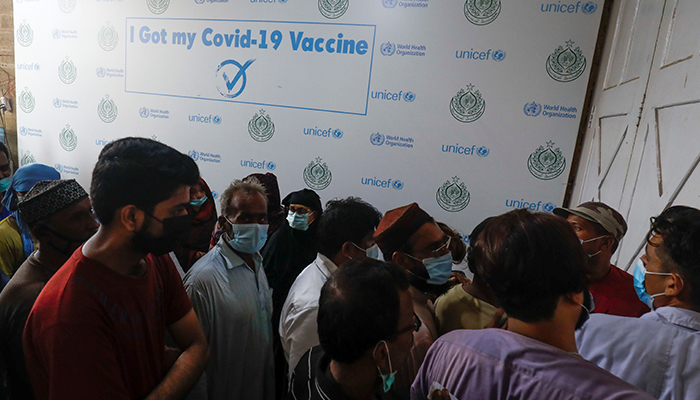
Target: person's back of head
[(345, 220)]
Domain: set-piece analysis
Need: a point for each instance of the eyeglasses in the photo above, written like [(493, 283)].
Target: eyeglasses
[(414, 327), (437, 252)]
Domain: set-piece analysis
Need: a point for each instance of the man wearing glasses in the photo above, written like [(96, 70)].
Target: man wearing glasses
[(411, 239)]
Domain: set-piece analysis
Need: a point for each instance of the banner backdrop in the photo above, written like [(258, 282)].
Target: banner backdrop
[(468, 108)]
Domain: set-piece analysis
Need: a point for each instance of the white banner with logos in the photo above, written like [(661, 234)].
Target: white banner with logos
[(470, 108)]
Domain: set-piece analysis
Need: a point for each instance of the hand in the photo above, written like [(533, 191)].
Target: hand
[(497, 319), (440, 394), (458, 278)]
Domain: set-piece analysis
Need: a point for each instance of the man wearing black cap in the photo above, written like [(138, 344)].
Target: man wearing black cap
[(59, 216)]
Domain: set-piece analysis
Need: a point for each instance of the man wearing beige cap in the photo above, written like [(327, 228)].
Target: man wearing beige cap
[(600, 229)]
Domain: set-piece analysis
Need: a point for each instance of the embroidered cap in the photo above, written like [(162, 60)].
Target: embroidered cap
[(47, 198)]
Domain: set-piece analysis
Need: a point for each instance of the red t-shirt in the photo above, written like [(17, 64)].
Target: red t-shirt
[(96, 334), (615, 295)]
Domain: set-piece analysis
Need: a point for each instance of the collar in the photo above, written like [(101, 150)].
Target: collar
[(325, 265), (687, 319), (233, 260)]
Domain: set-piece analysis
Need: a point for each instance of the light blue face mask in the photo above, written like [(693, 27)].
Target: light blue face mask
[(639, 276), (198, 202), (387, 379), (439, 268), (299, 222), (371, 252), (5, 183), (247, 238)]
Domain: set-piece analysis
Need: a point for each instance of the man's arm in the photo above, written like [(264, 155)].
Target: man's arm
[(189, 337)]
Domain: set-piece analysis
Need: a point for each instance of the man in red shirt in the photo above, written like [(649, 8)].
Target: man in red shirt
[(600, 229), (97, 330)]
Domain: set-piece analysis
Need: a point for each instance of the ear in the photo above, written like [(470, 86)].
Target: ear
[(674, 285), (380, 356), (131, 217), (223, 223), (576, 298), (607, 243), (348, 250), (399, 258)]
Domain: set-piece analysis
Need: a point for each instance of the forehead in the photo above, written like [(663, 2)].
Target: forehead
[(80, 206), (248, 201), (428, 234), (653, 244)]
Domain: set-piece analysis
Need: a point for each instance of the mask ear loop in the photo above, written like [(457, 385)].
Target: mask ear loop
[(388, 355)]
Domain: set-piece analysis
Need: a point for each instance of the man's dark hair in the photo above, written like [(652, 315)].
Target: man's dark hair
[(529, 261), (137, 171), (472, 241), (345, 220), (358, 307), (4, 149), (679, 227)]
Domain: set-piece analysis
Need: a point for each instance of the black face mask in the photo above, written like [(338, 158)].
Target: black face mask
[(176, 232), (69, 247)]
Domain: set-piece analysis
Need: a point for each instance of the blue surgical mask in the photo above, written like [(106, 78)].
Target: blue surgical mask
[(439, 268), (639, 276), (387, 379), (198, 202), (5, 183), (299, 222), (371, 252), (247, 238)]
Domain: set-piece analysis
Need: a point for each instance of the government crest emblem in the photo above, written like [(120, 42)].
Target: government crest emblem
[(67, 71), (26, 101), (108, 37), (67, 5), (68, 139), (532, 109), (546, 162), (333, 9), (482, 12), (566, 64), (107, 110), (453, 195), (467, 105), (27, 158), (260, 127), (25, 34), (317, 175), (157, 6)]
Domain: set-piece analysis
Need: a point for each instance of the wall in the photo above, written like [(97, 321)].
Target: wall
[(7, 73)]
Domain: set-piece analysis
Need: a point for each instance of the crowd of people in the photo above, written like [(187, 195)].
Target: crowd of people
[(141, 290)]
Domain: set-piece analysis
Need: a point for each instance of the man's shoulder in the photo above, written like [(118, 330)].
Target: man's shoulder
[(205, 269), (9, 228)]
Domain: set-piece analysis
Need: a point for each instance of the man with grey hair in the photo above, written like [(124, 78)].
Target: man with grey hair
[(230, 293)]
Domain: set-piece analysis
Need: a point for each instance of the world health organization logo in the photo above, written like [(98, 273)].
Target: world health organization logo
[(27, 158), (333, 9), (589, 8), (566, 64), (58, 167), (199, 1), (532, 109), (157, 6), (545, 163), (67, 5), (100, 72), (143, 112), (377, 139), (453, 196), (108, 37), (56, 33), (25, 34), (499, 55), (337, 133), (67, 71), (107, 110), (26, 101), (23, 131), (232, 72), (482, 12), (388, 49), (317, 175), (260, 127), (68, 139), (57, 102), (194, 154), (467, 106), (390, 3)]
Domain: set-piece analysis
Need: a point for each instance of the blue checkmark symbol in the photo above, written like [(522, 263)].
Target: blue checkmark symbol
[(240, 76)]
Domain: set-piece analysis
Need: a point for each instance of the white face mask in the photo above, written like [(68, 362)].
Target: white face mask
[(590, 240)]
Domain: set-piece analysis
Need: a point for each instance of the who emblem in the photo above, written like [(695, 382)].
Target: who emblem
[(25, 34), (144, 112), (194, 154), (390, 3), (453, 195), (333, 9), (377, 139), (67, 5), (532, 109), (27, 158), (107, 110), (57, 102), (566, 64), (546, 163), (56, 33), (260, 127), (108, 37), (26, 100), (467, 106), (157, 6), (317, 175), (387, 49), (68, 139), (482, 12), (67, 71)]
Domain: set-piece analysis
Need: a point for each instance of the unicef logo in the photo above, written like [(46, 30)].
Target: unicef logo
[(157, 6), (68, 139), (58, 167), (337, 133), (546, 163), (143, 112), (377, 139), (390, 3), (100, 72), (28, 158), (317, 175), (499, 55), (467, 105), (282, 1), (67, 71), (57, 102), (216, 120), (107, 110), (453, 195), (260, 127), (388, 49), (270, 165), (214, 194), (333, 9), (589, 8), (232, 72), (398, 185), (194, 154), (548, 207), (26, 101), (409, 97), (56, 33), (483, 151), (108, 37), (23, 131), (482, 12), (67, 5), (532, 109), (25, 34), (566, 64)]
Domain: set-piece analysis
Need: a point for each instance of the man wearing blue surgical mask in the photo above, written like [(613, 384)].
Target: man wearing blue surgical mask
[(659, 351), (231, 296)]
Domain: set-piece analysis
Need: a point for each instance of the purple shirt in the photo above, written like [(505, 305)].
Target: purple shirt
[(497, 364)]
